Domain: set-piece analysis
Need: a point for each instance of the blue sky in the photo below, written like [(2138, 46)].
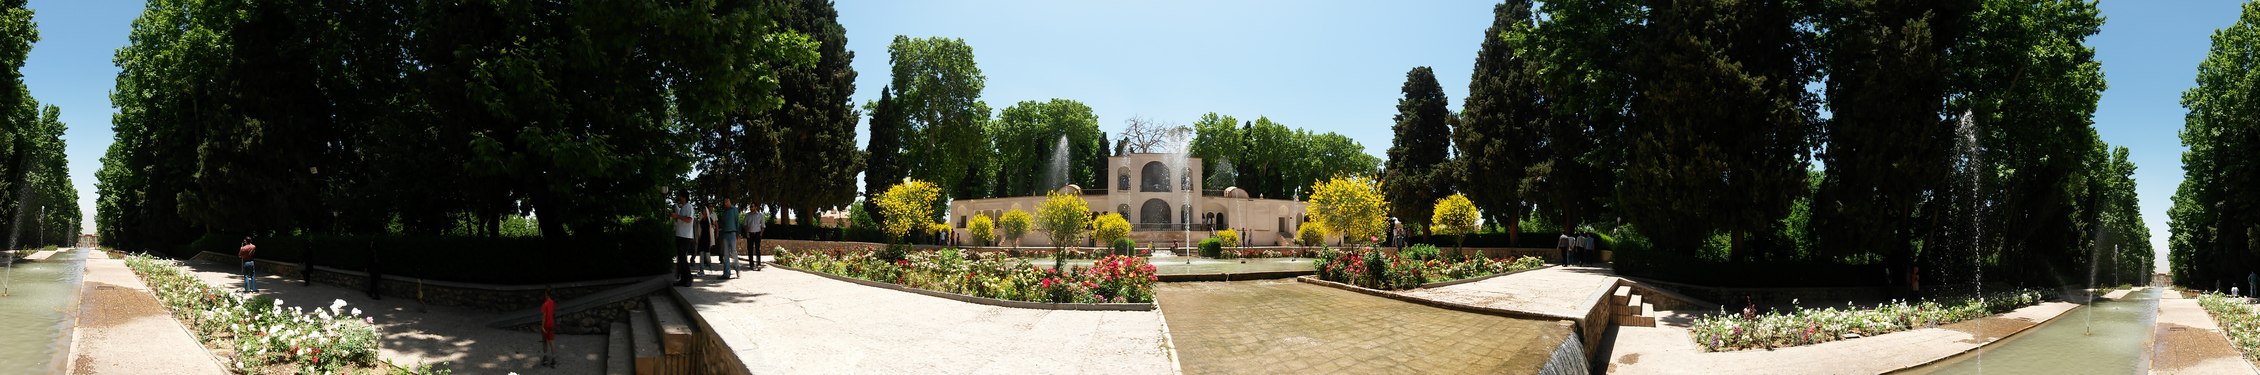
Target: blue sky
[(1322, 65)]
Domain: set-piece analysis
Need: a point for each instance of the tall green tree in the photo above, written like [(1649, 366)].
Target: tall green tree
[(1417, 174), (1584, 51), (938, 88), (1722, 126), (802, 154), (1500, 126), (2031, 83), (882, 154), (2215, 218), (1890, 139), (1026, 137)]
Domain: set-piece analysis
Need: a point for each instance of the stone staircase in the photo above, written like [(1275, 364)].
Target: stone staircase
[(656, 339), (1631, 309)]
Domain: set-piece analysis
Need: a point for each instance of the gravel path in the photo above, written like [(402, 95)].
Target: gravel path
[(123, 330)]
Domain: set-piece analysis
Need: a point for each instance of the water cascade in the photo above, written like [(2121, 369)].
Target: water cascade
[(1056, 176)]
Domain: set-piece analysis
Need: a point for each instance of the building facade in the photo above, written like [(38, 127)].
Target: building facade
[(1162, 197)]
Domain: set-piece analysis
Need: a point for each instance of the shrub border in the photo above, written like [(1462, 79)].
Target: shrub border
[(982, 300), (1242, 276)]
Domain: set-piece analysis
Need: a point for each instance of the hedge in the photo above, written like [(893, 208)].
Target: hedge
[(487, 260)]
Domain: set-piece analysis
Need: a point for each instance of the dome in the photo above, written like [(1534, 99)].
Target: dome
[(1235, 192), (1071, 189)]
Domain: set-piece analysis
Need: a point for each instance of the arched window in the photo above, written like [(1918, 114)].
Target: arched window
[(1154, 211), (1154, 178), (1123, 209), (1185, 180), (1122, 179)]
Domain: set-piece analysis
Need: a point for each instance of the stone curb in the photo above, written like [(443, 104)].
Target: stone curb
[(1441, 284), (1435, 303), (984, 300), (1266, 275)]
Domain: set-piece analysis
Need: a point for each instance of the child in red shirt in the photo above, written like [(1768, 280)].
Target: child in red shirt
[(548, 330)]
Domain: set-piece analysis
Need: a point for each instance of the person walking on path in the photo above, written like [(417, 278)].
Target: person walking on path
[(250, 267), (730, 229), (548, 330), (1561, 245), (376, 277), (757, 225), (705, 238), (683, 238)]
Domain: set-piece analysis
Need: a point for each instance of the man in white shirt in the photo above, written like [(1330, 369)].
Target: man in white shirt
[(684, 235), (755, 223)]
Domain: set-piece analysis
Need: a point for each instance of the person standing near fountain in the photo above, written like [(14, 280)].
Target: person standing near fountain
[(730, 227), (250, 268), (684, 240)]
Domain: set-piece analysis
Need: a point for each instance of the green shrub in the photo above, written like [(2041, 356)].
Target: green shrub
[(1125, 247), (1420, 252), (1212, 247), (645, 249)]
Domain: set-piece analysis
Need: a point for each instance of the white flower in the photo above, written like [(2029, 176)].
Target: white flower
[(278, 303), (336, 305), (356, 311)]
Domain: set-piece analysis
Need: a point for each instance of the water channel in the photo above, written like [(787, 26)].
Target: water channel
[(2118, 343), (34, 316)]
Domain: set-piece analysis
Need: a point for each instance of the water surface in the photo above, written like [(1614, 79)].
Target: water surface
[(2113, 340), (34, 315)]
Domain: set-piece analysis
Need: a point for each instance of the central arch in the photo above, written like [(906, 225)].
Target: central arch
[(1153, 178), (1154, 211)]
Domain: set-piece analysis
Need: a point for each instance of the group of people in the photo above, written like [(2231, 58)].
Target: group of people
[(703, 235), (1579, 247)]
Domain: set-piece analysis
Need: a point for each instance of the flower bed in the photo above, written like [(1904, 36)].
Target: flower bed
[(1266, 253), (1113, 279), (1806, 326), (264, 336), (1372, 268), (2237, 319)]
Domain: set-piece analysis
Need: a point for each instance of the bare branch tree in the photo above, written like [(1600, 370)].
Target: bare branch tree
[(1146, 135)]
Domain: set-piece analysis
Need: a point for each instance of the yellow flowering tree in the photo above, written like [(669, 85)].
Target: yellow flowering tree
[(1064, 216), (982, 229), (1310, 234), (1230, 238), (1455, 215), (909, 206), (1013, 225), (1110, 228), (1350, 207)]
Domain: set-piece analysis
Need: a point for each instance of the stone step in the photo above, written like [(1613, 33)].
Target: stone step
[(619, 354), (674, 327), (645, 337), (1636, 321), (1622, 294), (1631, 307), (1648, 310)]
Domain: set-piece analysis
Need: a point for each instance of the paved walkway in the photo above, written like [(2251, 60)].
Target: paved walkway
[(784, 321), (1668, 348), (1287, 327), (124, 330), (2190, 342), (413, 334), (1557, 291)]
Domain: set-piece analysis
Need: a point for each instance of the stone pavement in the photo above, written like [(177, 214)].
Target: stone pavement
[(2188, 341), (413, 334), (1557, 291), (785, 321), (1287, 327), (1668, 349), (122, 329)]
